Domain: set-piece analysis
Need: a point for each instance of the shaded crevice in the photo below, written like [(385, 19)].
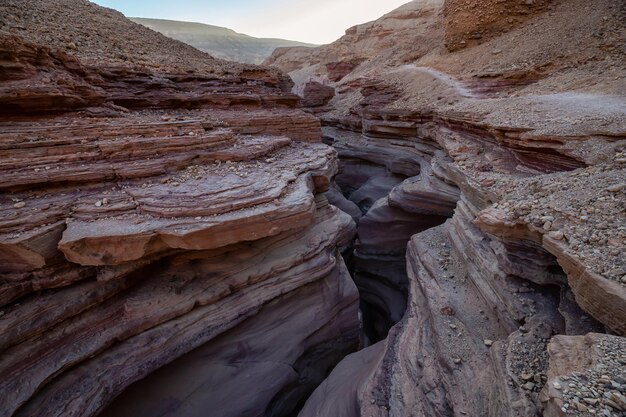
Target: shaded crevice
[(376, 259), (312, 368)]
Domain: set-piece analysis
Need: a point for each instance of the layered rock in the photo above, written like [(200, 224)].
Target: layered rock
[(391, 183), (467, 25), (160, 207), (519, 136), (165, 217)]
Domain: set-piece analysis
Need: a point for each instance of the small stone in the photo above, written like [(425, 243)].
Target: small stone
[(619, 399), (580, 407), (610, 403), (105, 201), (488, 342), (19, 204), (529, 386), (592, 401), (556, 235), (71, 45), (487, 182), (98, 203), (457, 361), (556, 385), (526, 377), (616, 188)]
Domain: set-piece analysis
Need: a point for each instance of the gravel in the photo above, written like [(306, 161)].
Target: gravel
[(600, 390), (585, 208)]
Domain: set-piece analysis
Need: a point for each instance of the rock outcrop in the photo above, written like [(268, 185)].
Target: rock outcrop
[(491, 165), (471, 22), (159, 207)]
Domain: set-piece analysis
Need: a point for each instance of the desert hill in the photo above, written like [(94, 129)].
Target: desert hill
[(218, 41)]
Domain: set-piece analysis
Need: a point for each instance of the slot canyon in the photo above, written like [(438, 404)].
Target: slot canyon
[(426, 217)]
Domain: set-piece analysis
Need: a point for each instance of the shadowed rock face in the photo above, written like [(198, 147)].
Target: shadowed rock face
[(160, 221), (487, 156), (398, 197), (264, 366)]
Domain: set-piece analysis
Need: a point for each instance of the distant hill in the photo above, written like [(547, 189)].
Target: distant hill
[(218, 41)]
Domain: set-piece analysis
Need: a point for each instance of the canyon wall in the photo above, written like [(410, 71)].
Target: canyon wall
[(494, 166), (164, 234)]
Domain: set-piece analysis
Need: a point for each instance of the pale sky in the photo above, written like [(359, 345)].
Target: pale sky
[(313, 21)]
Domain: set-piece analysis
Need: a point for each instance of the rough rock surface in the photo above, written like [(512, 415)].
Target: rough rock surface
[(159, 206), (587, 375), (316, 94), (509, 119)]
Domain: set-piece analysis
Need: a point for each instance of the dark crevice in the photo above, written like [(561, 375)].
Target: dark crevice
[(376, 259), (312, 368)]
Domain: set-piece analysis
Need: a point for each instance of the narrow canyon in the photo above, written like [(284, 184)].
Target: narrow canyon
[(426, 217)]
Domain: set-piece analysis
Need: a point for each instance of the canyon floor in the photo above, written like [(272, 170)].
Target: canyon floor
[(426, 217)]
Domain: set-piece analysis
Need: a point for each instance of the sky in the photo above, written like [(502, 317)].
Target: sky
[(313, 21)]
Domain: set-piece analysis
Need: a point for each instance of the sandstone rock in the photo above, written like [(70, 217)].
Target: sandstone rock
[(488, 234), (493, 19), (175, 208), (516, 262), (316, 94)]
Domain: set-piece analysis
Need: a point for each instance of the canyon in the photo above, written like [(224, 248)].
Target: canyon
[(426, 217)]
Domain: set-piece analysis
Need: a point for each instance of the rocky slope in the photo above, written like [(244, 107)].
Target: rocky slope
[(484, 145), (159, 207), (218, 41)]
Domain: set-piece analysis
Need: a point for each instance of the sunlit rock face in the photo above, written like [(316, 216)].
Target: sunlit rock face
[(490, 162)]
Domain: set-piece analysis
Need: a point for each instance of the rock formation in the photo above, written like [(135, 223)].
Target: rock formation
[(181, 235), (157, 207), (485, 145)]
